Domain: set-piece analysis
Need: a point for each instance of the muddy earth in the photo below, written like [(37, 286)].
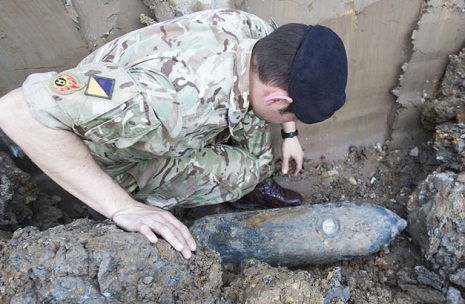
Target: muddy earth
[(55, 250)]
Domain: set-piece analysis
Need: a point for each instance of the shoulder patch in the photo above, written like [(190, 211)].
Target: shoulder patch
[(100, 87), (66, 84)]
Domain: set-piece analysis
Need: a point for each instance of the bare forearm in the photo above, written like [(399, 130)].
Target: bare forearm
[(68, 162), (62, 156)]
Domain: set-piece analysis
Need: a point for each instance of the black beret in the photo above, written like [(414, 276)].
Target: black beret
[(318, 76)]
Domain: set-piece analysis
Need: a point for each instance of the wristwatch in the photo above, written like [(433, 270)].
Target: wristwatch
[(289, 134)]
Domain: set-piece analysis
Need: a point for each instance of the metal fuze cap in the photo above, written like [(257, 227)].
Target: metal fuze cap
[(318, 77)]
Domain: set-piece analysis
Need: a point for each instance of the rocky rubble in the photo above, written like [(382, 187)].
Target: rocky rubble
[(92, 262), (22, 203), (450, 145), (436, 208), (449, 106), (436, 223), (260, 281)]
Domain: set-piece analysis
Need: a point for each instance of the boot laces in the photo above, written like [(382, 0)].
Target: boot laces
[(272, 188)]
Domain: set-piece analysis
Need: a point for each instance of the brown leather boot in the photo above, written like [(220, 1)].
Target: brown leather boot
[(268, 194)]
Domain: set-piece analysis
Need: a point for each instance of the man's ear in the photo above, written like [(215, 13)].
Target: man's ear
[(277, 97)]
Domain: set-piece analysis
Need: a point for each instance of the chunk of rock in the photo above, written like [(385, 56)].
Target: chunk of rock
[(258, 282), (453, 82), (21, 202), (449, 106), (439, 111), (436, 222), (91, 262), (449, 143)]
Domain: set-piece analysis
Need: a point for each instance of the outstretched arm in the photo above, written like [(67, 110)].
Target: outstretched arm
[(65, 158), (291, 149)]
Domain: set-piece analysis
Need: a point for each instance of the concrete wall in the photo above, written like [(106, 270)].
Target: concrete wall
[(397, 53), (392, 45), (440, 31), (53, 35)]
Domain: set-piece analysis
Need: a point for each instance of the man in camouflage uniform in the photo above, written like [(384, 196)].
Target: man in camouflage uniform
[(177, 114)]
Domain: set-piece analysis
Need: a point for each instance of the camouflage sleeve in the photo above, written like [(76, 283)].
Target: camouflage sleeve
[(40, 103)]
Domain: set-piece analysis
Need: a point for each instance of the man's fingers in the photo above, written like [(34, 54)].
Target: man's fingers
[(147, 231), (285, 165), (186, 235), (179, 228), (186, 253), (170, 237), (298, 167), (152, 222), (175, 233)]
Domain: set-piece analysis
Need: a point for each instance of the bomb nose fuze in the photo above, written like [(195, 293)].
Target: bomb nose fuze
[(309, 234)]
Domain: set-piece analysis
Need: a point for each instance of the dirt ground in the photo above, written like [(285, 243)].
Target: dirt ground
[(376, 174)]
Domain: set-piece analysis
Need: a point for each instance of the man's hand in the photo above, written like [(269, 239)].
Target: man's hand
[(149, 220), (291, 149)]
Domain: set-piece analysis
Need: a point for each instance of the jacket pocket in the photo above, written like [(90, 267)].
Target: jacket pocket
[(120, 119), (123, 125)]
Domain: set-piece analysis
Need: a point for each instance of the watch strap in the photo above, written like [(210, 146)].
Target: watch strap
[(289, 134)]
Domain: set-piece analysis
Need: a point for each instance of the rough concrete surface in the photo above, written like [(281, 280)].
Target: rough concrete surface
[(50, 35), (167, 9)]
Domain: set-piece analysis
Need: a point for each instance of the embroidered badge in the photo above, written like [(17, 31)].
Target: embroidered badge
[(100, 87), (66, 84)]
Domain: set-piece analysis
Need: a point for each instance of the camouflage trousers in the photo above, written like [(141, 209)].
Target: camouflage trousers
[(210, 175)]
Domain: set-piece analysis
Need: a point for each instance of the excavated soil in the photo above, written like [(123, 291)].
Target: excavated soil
[(375, 173)]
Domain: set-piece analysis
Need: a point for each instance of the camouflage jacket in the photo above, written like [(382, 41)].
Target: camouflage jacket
[(176, 86)]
